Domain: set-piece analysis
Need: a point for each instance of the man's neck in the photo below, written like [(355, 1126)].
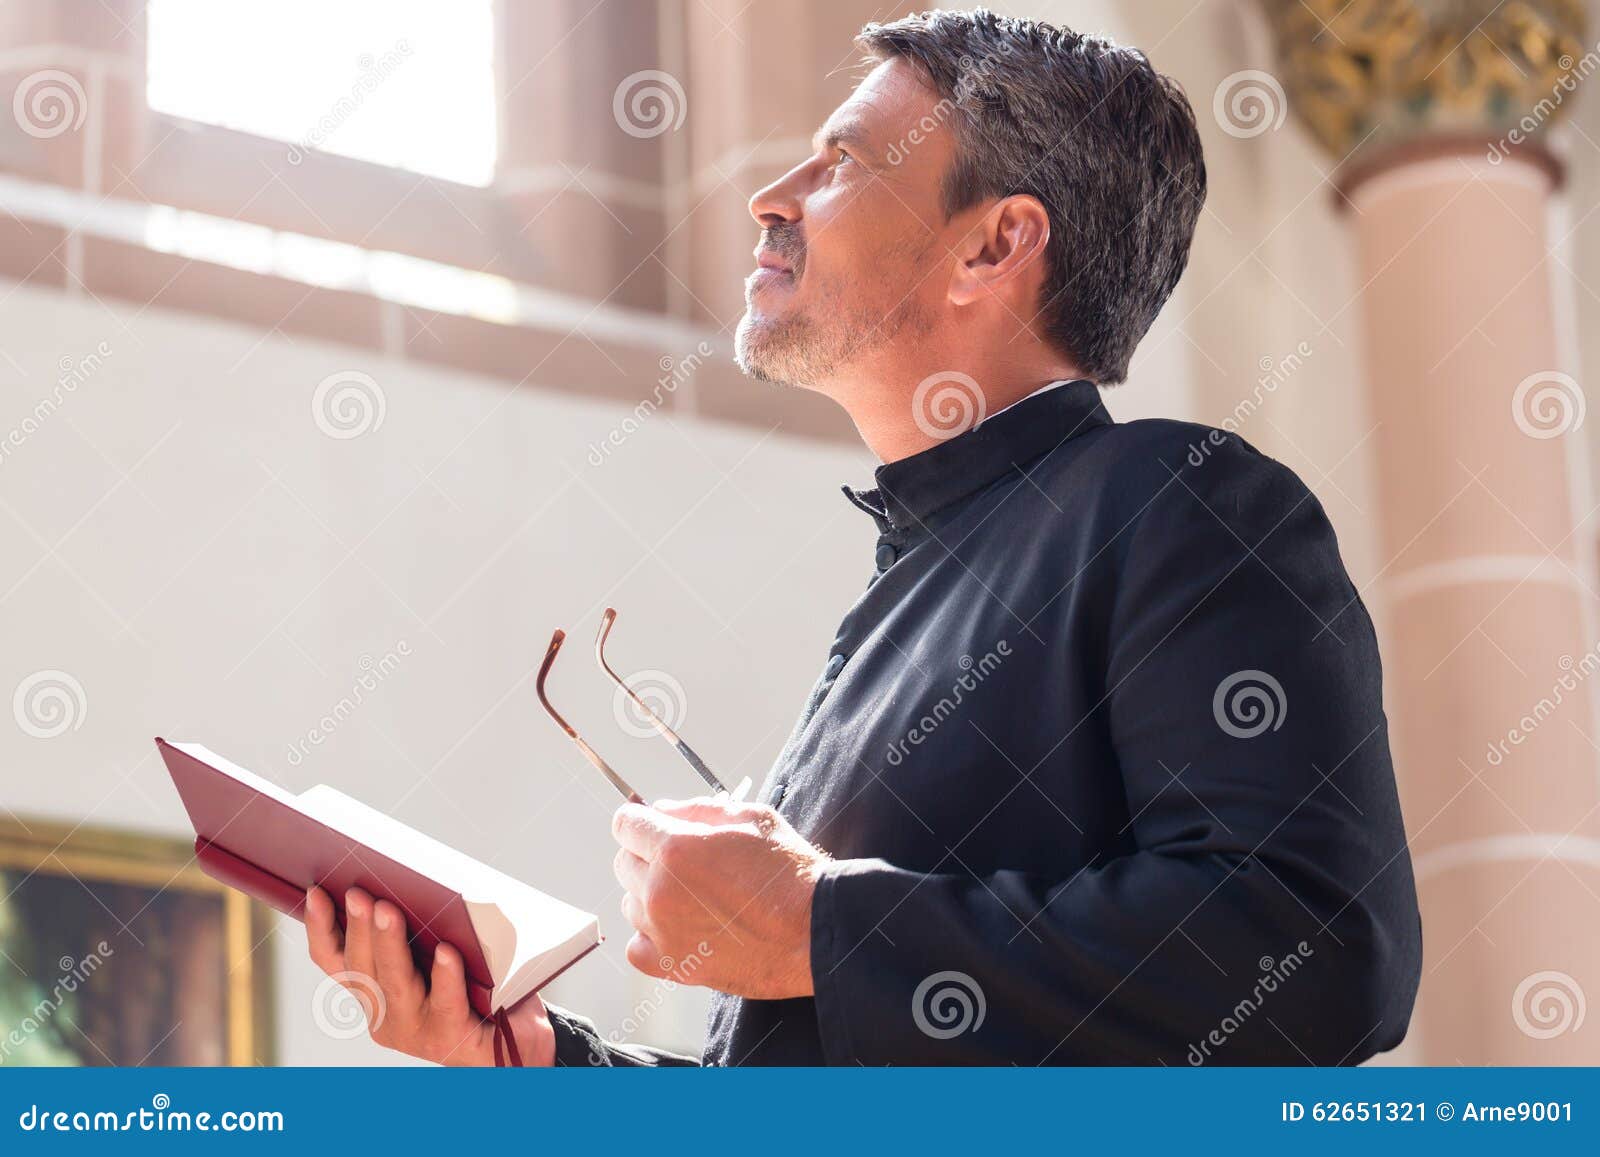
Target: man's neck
[(896, 424)]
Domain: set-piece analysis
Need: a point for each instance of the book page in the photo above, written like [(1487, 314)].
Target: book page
[(532, 923)]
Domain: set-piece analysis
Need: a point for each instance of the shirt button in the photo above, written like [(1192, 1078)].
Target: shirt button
[(835, 665), (886, 556)]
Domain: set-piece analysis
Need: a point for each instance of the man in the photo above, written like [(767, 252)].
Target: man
[(1099, 758)]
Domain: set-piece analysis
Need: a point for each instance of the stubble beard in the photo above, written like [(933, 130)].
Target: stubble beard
[(798, 349)]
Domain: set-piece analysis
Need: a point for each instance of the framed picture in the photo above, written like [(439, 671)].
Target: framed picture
[(116, 949)]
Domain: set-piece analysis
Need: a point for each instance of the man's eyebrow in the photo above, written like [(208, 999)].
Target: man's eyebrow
[(851, 132)]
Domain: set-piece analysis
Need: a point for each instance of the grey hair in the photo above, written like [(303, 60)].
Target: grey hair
[(1106, 143)]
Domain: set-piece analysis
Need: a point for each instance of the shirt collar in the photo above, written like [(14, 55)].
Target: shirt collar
[(911, 490), (1041, 390)]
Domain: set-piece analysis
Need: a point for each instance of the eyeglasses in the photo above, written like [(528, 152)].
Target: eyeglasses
[(683, 749)]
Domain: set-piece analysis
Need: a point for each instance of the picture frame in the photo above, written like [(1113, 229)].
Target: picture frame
[(154, 961)]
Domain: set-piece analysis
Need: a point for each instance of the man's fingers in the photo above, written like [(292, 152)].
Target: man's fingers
[(643, 830), (447, 997), (397, 974), (358, 944), (646, 957), (632, 910), (717, 811), (630, 871), (322, 932)]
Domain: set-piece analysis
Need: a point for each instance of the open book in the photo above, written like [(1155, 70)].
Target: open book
[(272, 844)]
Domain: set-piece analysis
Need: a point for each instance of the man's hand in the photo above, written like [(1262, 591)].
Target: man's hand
[(724, 887), (372, 959)]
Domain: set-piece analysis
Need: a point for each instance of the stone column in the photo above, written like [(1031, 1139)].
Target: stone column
[(72, 79), (632, 136), (587, 113), (761, 78), (1438, 113)]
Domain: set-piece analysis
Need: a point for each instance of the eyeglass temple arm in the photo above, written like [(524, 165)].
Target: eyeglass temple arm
[(660, 724), (589, 753)]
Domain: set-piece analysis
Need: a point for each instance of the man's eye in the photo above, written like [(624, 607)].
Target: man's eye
[(843, 157)]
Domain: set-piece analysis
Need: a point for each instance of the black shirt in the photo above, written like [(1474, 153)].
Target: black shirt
[(1101, 758)]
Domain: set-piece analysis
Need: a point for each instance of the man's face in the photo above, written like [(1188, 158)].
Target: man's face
[(851, 254)]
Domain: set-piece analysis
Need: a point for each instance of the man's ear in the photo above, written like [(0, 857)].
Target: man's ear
[(1004, 245)]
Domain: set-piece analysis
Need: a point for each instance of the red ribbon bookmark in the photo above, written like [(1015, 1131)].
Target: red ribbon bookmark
[(502, 1030)]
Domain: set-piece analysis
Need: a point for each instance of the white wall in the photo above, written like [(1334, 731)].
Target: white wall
[(183, 539)]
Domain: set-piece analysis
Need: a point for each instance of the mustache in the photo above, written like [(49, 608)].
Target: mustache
[(787, 242)]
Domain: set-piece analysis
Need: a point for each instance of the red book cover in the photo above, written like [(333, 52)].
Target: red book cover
[(253, 837)]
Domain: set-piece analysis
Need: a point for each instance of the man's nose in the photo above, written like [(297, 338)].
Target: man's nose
[(779, 203)]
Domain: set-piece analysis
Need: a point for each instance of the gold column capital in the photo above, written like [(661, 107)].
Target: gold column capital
[(1365, 76)]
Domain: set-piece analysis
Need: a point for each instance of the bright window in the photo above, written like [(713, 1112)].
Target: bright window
[(406, 83)]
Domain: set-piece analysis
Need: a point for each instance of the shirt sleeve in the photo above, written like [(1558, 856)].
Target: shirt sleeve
[(579, 1043), (1266, 913)]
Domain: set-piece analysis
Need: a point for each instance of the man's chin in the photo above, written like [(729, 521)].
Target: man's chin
[(757, 373), (753, 350)]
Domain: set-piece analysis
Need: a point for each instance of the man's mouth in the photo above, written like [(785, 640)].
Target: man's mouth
[(771, 270), (768, 259)]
